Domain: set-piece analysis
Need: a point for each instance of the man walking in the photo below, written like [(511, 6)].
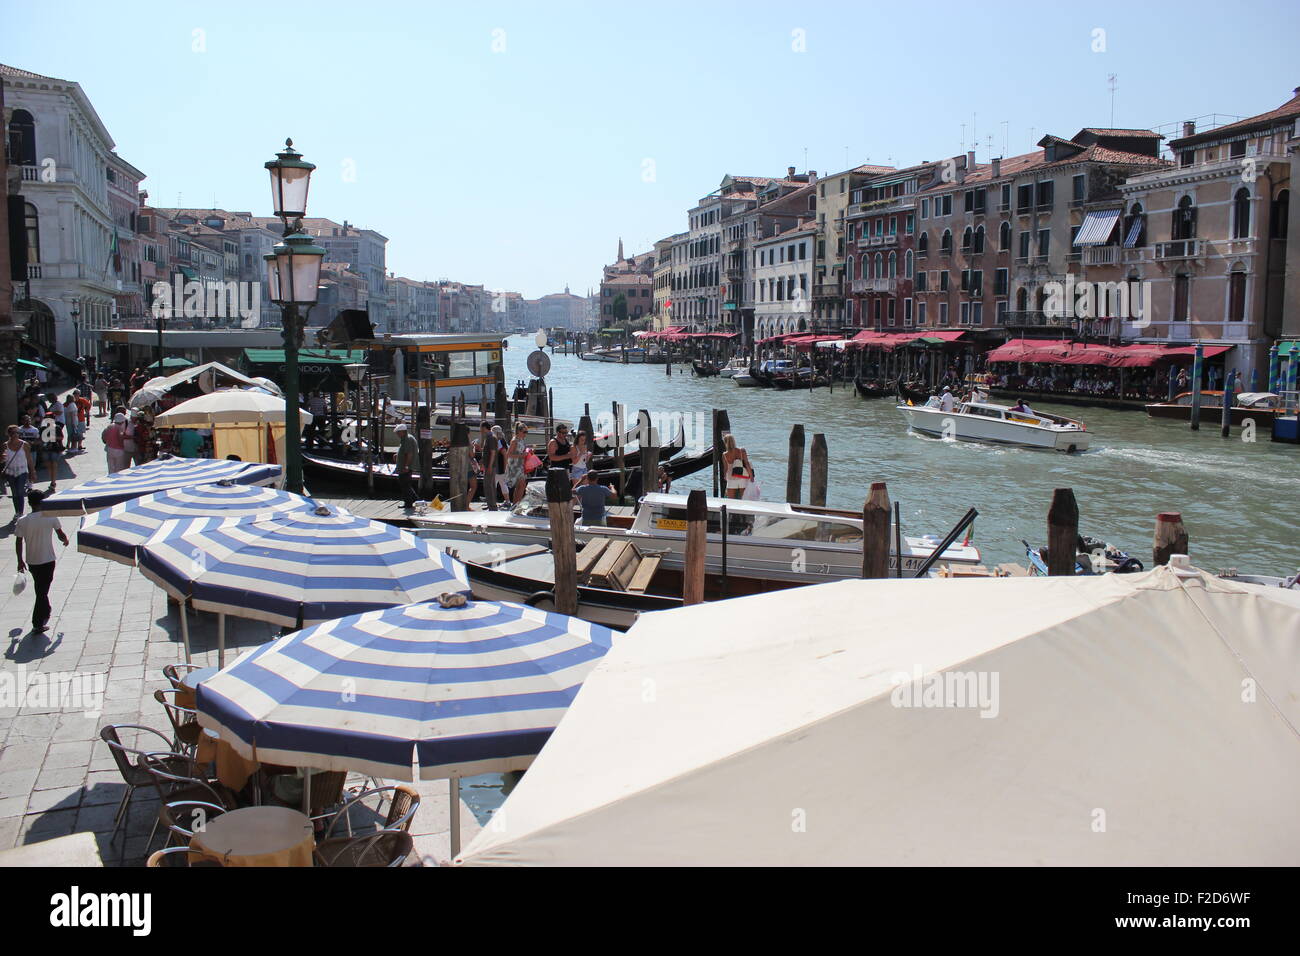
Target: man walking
[(33, 534), (408, 452)]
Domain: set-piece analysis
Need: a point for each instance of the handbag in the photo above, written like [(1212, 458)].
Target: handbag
[(531, 462)]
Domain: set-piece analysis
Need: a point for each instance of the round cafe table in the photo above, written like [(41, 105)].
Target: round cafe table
[(190, 685), (232, 769), (256, 836)]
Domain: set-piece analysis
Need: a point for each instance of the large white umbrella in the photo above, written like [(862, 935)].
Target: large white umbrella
[(228, 407), (1118, 720)]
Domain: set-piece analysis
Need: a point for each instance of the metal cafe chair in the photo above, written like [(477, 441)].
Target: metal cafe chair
[(176, 856), (184, 721), (383, 848), (134, 774), (182, 817), (175, 673), (173, 787)]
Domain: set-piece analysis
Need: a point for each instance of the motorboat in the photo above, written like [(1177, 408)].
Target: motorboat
[(998, 424), (1259, 407), (767, 541), (734, 367), (746, 379)]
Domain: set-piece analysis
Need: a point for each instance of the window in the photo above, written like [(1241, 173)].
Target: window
[(1044, 242), (977, 313), (977, 282), (964, 318), (1187, 157), (1280, 210), (1241, 214), (893, 265), (925, 209), (1000, 282), (1004, 237), (1002, 313), (893, 225), (945, 243), (1182, 296), (1184, 220), (1079, 187), (1237, 150), (22, 139), (967, 239), (947, 205), (1237, 297), (1135, 228), (1024, 245), (920, 313), (31, 222), (907, 312), (943, 281), (1006, 197), (891, 311), (1046, 191), (921, 285), (907, 263), (880, 266), (979, 240), (911, 224), (923, 244), (943, 313), (1025, 197)]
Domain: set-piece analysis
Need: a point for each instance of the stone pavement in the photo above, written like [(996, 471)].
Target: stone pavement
[(109, 624)]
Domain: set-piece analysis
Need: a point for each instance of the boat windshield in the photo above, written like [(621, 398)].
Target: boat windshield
[(778, 526)]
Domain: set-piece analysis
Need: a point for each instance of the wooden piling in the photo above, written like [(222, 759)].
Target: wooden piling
[(875, 531), (1197, 372), (619, 459), (697, 545), (424, 438), (458, 466), (794, 469), (559, 506), (1171, 537), (501, 403), (1062, 533), (1225, 422), (817, 472)]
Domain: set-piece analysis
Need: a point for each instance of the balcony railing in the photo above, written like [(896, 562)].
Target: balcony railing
[(1180, 249), (1101, 255), (33, 270), (827, 289), (1037, 320), (31, 174)]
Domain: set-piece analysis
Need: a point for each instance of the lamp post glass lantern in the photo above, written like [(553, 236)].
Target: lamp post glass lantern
[(292, 274)]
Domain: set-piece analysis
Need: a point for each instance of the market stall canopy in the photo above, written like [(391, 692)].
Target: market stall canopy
[(888, 341), (172, 361), (230, 406), (1133, 355), (1115, 720), (208, 375)]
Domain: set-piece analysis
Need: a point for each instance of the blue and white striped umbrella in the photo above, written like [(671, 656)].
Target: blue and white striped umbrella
[(157, 475), (456, 690), (118, 532), (296, 568)]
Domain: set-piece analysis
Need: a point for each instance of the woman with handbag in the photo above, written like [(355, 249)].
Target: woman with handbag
[(515, 455), (19, 468), (736, 467)]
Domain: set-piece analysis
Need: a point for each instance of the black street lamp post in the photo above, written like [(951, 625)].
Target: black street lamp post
[(293, 271)]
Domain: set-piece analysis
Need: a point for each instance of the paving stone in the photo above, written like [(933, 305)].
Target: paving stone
[(60, 798), (23, 756), (9, 827), (95, 819), (60, 778), (15, 806), (36, 827), (68, 755)]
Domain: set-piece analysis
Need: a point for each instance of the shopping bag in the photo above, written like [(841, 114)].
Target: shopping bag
[(20, 582), (753, 491), (531, 462)]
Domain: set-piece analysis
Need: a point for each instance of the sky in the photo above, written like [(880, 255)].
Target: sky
[(513, 144)]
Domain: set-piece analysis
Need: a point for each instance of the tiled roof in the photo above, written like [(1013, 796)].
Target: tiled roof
[(871, 169), (24, 74), (1287, 110), (1015, 165), (1125, 133)]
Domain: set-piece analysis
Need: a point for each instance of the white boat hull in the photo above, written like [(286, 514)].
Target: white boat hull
[(933, 421)]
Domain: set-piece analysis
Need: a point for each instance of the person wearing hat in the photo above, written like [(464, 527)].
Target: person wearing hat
[(115, 443), (408, 453), (945, 400)]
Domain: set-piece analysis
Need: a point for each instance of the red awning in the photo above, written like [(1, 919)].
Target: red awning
[(1132, 355), (888, 341)]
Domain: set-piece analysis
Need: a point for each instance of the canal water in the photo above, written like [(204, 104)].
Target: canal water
[(1238, 499)]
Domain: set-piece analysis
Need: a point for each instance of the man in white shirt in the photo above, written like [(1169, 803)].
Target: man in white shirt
[(33, 534), (945, 401)]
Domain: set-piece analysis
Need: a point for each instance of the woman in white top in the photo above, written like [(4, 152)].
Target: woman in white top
[(736, 467), (19, 467), (581, 458)]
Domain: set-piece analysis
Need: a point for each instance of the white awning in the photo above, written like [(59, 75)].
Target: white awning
[(1097, 228)]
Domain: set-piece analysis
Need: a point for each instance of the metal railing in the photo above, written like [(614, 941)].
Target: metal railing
[(1180, 249)]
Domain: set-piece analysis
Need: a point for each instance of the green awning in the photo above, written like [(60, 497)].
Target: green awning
[(305, 356), (189, 274), (1287, 349), (174, 362), (30, 364)]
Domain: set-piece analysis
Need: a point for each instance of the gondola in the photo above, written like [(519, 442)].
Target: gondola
[(872, 389), (704, 369), (910, 392)]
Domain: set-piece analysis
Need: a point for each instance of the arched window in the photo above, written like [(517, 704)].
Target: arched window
[(1004, 237), (1184, 224), (1241, 215), (967, 238), (1237, 294), (1135, 228), (907, 263), (979, 239), (851, 269), (1022, 299), (31, 222), (880, 266), (893, 264), (22, 139), (945, 243), (923, 244), (866, 267)]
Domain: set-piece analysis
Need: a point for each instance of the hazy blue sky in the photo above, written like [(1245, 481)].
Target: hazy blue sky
[(521, 166)]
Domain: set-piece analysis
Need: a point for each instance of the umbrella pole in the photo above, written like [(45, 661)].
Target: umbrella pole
[(185, 630), (453, 790), (221, 641), (306, 790)]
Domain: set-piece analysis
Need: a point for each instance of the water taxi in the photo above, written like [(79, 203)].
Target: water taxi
[(1259, 407), (997, 424)]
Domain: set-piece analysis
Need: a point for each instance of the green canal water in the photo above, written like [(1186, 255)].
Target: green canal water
[(1238, 499)]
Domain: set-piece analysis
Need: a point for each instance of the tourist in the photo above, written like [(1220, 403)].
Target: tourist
[(592, 496), (945, 400), (114, 437), (189, 443), (143, 426), (33, 535), (663, 483), (736, 467), (19, 468), (581, 458), (516, 479), (559, 450), (83, 419), (72, 422), (319, 409), (101, 395), (1021, 407), (408, 455)]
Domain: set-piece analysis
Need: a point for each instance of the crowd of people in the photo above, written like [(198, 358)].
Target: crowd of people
[(1141, 384)]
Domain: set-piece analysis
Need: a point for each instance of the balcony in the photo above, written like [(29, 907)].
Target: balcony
[(31, 174), (1101, 255), (883, 241), (875, 285), (1037, 320), (1180, 249), (33, 270), (827, 289)]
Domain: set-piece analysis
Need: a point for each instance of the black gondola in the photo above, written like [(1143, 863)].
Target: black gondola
[(911, 393), (704, 369), (872, 389)]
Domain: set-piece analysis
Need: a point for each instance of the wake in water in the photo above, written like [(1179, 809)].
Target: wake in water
[(1255, 472)]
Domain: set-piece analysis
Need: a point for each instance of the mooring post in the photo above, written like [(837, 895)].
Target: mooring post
[(875, 532), (817, 472), (1197, 371), (619, 458), (794, 469), (559, 506), (1171, 537), (424, 440), (1062, 533), (458, 465), (697, 545), (1225, 423)]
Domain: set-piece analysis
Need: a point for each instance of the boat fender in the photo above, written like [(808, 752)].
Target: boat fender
[(1129, 566), (537, 597)]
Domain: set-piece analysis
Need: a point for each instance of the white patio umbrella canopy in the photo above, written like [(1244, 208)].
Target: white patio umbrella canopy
[(1145, 719), (228, 407)]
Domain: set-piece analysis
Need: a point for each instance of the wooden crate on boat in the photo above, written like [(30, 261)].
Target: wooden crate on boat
[(616, 566)]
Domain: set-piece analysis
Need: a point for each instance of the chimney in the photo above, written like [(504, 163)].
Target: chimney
[(970, 161), (789, 172), (812, 175), (997, 167), (1189, 128)]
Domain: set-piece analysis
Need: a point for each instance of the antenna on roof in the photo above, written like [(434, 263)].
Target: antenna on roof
[(1112, 81), (1006, 137), (963, 138)]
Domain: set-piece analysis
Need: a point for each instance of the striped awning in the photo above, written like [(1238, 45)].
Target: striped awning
[(1134, 232), (296, 568), (157, 475), (1097, 228), (117, 532), (454, 690)]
